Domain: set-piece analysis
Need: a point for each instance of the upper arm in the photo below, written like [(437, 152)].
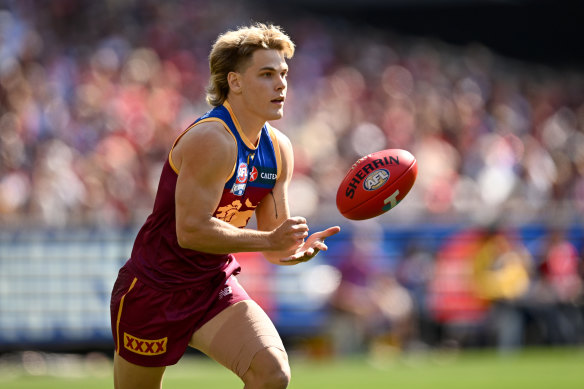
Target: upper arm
[(205, 157), (274, 209)]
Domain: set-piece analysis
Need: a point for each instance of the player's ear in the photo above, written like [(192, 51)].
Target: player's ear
[(234, 81)]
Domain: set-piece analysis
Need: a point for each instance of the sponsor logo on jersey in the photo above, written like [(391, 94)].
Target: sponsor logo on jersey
[(238, 189), (241, 173), (269, 176), (145, 346), (266, 176), (225, 292), (253, 175), (376, 179), (262, 177)]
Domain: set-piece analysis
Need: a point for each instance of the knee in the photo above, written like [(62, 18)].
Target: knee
[(276, 378), (269, 369)]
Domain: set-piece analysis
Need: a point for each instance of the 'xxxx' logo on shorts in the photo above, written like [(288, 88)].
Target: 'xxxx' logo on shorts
[(145, 346)]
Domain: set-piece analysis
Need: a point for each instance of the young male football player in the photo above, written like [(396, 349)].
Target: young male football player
[(179, 288)]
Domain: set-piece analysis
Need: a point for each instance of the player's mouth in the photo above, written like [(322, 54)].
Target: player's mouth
[(278, 100)]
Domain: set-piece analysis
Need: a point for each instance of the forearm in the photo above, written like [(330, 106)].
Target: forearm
[(218, 237)]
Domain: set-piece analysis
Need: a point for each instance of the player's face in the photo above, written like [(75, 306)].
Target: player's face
[(263, 84)]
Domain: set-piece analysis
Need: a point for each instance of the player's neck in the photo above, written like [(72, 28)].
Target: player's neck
[(250, 124)]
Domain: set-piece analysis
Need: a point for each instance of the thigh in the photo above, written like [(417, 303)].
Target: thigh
[(151, 328), (130, 376), (235, 335)]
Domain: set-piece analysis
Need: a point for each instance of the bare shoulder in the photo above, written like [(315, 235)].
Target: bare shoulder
[(283, 140), (208, 141), (285, 146), (286, 152), (204, 135)]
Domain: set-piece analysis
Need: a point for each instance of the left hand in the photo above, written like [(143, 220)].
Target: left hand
[(313, 244)]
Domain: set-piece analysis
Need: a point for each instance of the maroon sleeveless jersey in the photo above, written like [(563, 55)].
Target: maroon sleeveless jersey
[(158, 260)]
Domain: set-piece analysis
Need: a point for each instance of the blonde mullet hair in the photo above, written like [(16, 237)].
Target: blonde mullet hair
[(233, 49)]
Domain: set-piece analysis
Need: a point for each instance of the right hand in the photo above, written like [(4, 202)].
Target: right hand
[(289, 235)]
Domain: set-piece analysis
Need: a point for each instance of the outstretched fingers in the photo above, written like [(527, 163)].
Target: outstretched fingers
[(312, 246), (328, 232)]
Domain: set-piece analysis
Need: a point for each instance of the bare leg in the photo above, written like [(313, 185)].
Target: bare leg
[(244, 339), (130, 376), (269, 369)]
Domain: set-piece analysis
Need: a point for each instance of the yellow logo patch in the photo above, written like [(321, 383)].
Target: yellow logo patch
[(233, 214), (145, 346)]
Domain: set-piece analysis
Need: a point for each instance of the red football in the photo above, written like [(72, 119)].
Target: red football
[(376, 183)]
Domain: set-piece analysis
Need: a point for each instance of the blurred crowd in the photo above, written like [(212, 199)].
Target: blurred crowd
[(92, 94), (477, 287)]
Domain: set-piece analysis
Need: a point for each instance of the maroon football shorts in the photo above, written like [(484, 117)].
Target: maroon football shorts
[(153, 328)]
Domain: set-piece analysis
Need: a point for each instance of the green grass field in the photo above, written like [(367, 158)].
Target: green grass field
[(533, 369)]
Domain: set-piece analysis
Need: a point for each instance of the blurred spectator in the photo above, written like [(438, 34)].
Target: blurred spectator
[(455, 307), (370, 309), (415, 272), (560, 285), (502, 271)]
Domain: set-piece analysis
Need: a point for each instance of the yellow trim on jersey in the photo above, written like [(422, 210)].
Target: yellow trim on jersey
[(244, 137), (210, 119), (274, 136), (174, 144), (120, 314)]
